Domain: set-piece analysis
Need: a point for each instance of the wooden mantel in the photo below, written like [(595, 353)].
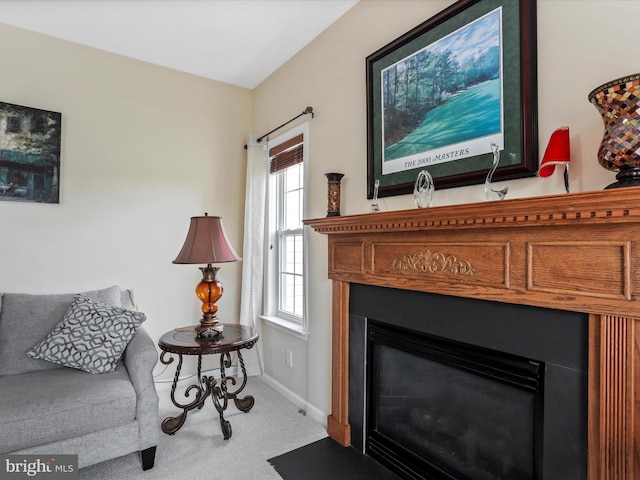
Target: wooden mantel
[(577, 252)]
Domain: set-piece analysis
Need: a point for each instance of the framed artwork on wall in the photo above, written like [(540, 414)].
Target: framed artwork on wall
[(441, 95), (29, 154)]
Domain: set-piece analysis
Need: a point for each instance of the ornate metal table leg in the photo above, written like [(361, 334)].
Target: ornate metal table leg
[(201, 379), (243, 404), (216, 395), (171, 425), (219, 394)]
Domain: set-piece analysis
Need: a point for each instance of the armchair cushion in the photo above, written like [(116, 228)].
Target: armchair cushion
[(91, 336), (47, 406)]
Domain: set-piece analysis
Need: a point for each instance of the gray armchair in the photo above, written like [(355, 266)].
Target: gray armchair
[(49, 409)]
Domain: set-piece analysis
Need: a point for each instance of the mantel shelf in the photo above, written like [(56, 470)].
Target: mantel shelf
[(605, 206)]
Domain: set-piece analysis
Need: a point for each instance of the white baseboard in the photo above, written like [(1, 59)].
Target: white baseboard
[(312, 411)]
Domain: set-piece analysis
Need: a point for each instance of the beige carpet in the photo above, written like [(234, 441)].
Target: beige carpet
[(199, 451)]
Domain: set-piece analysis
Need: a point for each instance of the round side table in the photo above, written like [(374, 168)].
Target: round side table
[(183, 341)]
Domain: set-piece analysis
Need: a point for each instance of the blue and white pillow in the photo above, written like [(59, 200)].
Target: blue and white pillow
[(91, 336)]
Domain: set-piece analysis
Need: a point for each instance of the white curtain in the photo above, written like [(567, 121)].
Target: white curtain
[(253, 250)]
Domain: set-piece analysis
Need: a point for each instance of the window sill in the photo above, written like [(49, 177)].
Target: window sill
[(286, 326)]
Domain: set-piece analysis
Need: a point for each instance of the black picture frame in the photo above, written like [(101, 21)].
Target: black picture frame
[(517, 98), (29, 154)]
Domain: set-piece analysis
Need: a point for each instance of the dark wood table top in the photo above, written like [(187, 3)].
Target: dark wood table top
[(184, 340)]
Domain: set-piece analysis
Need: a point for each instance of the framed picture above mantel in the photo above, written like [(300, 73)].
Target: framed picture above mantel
[(443, 94)]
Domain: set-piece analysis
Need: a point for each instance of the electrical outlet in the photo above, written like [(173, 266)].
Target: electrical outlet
[(289, 358)]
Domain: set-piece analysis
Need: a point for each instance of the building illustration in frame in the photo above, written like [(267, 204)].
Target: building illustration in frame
[(29, 154)]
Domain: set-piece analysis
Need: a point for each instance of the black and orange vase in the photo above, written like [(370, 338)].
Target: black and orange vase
[(333, 193)]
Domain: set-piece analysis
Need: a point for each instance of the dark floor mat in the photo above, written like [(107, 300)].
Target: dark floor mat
[(328, 460)]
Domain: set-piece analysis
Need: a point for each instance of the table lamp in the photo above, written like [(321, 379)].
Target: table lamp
[(207, 243)]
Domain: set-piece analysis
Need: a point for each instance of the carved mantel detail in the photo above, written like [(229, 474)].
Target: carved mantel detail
[(434, 262), (578, 252)]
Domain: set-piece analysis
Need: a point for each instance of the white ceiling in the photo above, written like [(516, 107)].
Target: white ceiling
[(240, 42)]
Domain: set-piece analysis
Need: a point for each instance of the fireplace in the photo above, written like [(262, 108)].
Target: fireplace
[(574, 253), (452, 388)]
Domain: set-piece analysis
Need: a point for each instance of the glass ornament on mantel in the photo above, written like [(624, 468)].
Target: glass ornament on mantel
[(423, 190), (375, 207), (489, 192)]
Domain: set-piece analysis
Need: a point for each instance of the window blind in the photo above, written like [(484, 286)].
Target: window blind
[(286, 154)]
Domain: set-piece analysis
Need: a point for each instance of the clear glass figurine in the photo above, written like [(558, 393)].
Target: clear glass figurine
[(374, 204), (423, 190), (489, 192)]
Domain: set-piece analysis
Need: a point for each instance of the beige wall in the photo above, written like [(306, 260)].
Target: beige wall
[(578, 50), (144, 148)]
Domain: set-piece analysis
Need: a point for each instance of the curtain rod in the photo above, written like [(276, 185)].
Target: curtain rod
[(307, 111)]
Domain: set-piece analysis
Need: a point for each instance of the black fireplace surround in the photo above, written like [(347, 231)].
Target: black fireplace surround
[(542, 354)]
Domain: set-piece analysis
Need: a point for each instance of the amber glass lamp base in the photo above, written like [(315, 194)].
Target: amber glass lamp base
[(209, 291)]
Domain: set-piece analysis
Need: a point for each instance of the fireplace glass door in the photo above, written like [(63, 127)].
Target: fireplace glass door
[(442, 409)]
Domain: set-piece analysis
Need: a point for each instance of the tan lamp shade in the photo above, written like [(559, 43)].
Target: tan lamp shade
[(206, 243)]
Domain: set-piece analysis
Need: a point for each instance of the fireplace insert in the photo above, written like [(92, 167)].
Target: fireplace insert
[(443, 409)]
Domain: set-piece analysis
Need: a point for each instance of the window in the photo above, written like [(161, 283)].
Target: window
[(286, 260), (290, 245), (14, 124), (38, 124)]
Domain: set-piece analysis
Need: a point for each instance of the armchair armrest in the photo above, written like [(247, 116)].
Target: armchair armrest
[(140, 358)]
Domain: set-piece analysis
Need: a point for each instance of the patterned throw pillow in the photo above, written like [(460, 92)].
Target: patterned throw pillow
[(91, 336)]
